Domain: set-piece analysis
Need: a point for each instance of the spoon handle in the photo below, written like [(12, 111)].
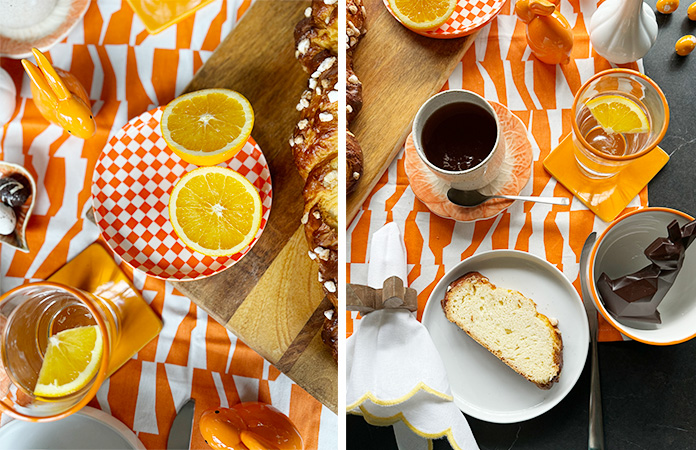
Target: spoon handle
[(549, 200)]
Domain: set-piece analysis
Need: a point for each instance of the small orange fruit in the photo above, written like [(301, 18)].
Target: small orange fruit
[(685, 45), (667, 6)]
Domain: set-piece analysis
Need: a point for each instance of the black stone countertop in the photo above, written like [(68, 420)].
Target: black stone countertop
[(648, 392)]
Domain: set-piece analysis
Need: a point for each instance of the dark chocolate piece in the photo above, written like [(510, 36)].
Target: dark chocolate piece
[(14, 191), (636, 296)]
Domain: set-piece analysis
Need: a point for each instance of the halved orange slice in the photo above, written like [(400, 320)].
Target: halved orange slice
[(422, 15), (207, 127), (215, 211)]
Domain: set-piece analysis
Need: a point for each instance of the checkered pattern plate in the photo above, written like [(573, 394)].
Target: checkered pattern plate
[(468, 16), (130, 190)]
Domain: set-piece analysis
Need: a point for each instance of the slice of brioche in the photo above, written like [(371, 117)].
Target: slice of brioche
[(508, 325)]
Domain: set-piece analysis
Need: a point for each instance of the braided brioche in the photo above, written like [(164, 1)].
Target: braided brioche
[(315, 138)]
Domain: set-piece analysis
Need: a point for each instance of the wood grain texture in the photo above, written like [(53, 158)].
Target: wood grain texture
[(270, 297), (278, 307), (261, 66), (399, 71)]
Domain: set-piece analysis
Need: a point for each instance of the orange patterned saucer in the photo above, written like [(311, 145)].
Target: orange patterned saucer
[(468, 16), (514, 174), (130, 191)]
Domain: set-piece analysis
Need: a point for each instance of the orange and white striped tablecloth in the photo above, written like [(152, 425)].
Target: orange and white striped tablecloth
[(500, 67), (127, 71)]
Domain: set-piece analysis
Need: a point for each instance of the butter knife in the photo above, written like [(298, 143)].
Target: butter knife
[(180, 432), (596, 427)]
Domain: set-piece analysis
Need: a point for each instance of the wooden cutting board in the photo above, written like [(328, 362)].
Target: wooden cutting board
[(271, 299), (399, 71)]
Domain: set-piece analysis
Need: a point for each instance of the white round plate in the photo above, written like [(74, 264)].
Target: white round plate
[(89, 428), (482, 385)]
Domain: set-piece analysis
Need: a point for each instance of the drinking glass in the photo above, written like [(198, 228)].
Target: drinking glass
[(601, 154), (29, 316)]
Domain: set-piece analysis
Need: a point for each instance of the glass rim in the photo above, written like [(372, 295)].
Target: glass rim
[(647, 149), (103, 367)]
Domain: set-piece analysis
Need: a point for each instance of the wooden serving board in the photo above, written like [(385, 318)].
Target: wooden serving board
[(399, 71), (271, 299)]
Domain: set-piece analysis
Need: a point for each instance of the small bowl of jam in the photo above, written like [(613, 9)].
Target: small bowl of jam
[(458, 136)]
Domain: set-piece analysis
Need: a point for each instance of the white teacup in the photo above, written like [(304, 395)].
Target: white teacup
[(478, 176)]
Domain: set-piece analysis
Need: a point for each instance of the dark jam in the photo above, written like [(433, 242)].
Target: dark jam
[(459, 136)]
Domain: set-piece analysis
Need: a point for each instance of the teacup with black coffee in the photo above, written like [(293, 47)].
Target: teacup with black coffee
[(457, 135)]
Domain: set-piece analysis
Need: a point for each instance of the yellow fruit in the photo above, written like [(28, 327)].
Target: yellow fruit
[(215, 211), (72, 359), (667, 6), (685, 45), (617, 114), (207, 127), (422, 15)]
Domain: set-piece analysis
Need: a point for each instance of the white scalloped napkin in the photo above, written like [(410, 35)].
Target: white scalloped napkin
[(394, 372)]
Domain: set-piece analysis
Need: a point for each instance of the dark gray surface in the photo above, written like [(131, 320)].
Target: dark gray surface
[(648, 392)]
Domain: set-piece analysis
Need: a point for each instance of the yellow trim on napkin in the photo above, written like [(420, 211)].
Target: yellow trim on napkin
[(420, 386), (386, 421)]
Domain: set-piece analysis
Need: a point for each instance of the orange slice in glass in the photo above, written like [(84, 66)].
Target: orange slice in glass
[(618, 114), (71, 361)]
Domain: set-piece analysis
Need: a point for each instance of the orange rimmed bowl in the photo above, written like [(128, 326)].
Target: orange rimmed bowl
[(619, 251)]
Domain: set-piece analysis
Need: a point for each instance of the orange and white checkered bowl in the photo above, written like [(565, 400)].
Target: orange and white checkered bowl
[(130, 191), (468, 16)]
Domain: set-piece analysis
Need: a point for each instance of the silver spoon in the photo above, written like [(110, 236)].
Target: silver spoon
[(469, 199)]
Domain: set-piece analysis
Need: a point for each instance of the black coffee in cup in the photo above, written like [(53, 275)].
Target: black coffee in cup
[(459, 136)]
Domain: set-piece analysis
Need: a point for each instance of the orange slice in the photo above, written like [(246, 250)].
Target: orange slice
[(72, 360), (617, 114), (207, 127), (422, 15), (215, 211)]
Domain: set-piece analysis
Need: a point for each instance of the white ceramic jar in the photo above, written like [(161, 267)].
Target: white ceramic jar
[(623, 31)]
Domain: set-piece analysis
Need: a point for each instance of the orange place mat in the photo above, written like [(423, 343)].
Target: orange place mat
[(95, 271), (606, 198), (514, 174), (468, 16), (160, 14)]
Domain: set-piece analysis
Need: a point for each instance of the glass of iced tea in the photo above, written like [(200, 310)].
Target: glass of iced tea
[(618, 115), (55, 344)]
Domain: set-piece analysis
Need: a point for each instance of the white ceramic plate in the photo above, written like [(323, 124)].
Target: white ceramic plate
[(482, 385), (89, 428)]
